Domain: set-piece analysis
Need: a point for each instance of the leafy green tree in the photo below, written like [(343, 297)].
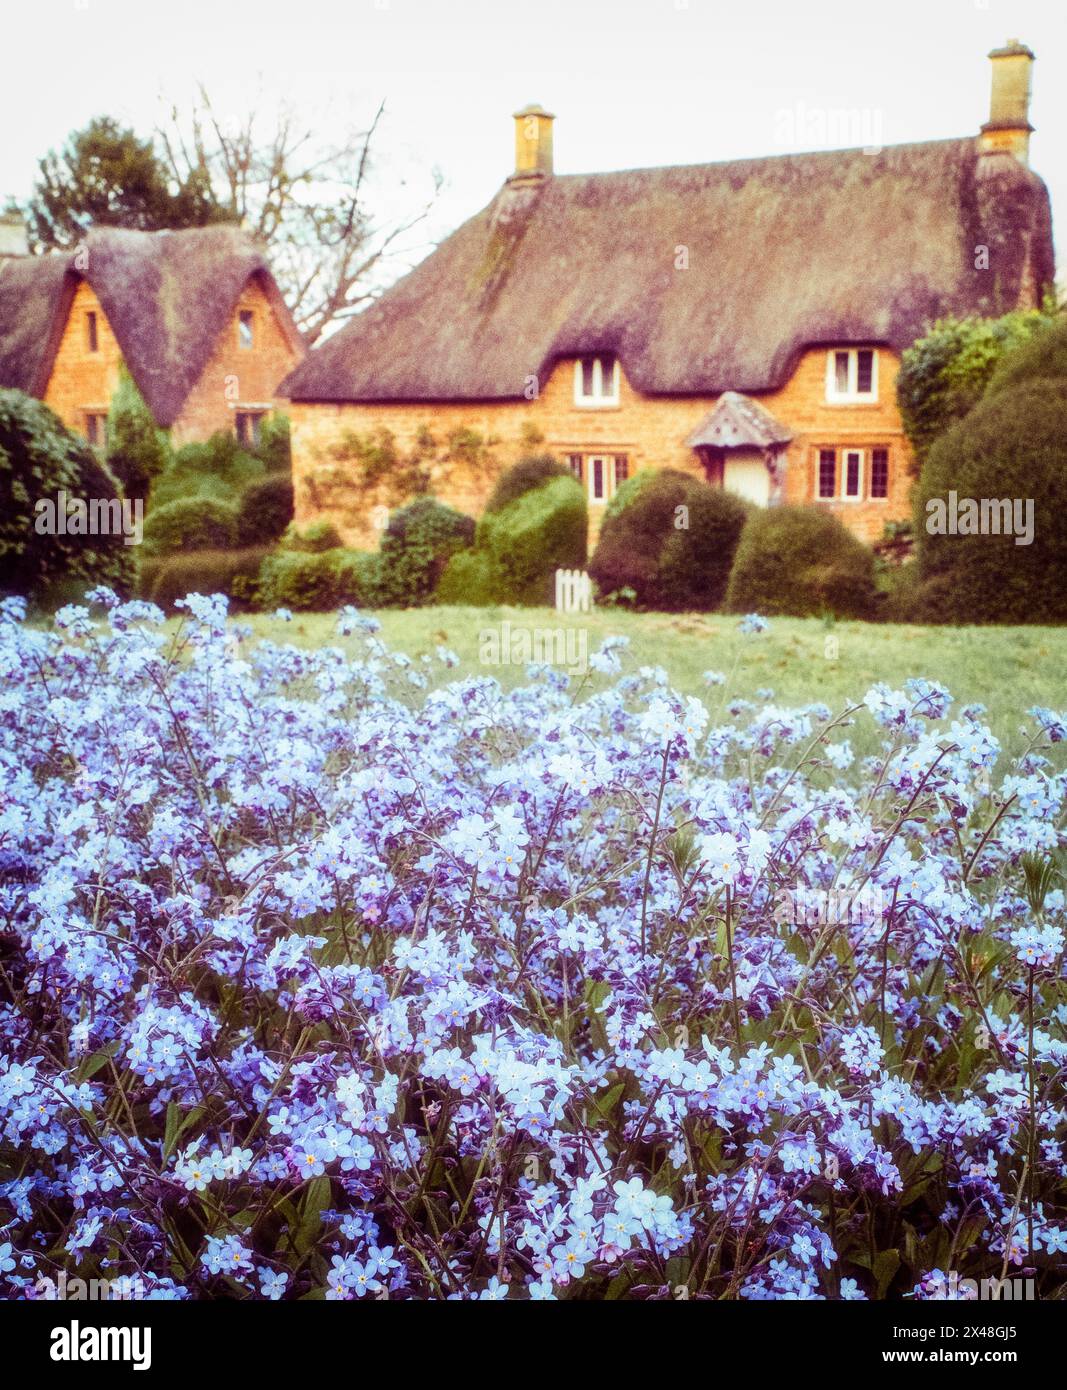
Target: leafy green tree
[(137, 450), (106, 177), (946, 372)]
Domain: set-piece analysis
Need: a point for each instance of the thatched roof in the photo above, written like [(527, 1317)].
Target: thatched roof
[(166, 295), (783, 253), (738, 421)]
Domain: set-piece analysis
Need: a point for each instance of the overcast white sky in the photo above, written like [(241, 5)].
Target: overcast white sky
[(632, 82)]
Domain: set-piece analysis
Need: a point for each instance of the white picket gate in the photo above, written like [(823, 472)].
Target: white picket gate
[(574, 591)]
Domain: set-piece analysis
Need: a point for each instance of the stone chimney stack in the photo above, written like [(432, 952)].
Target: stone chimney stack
[(533, 142), (14, 240), (1008, 127)]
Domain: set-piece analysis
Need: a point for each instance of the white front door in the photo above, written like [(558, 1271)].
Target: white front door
[(747, 475)]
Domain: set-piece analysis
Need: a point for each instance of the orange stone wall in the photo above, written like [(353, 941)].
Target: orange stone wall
[(83, 381), (237, 378), (234, 378), (649, 430)]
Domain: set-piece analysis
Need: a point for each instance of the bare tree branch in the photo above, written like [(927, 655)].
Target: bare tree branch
[(309, 203)]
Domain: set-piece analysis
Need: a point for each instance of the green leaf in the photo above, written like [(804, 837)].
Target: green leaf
[(177, 1124), (91, 1065), (316, 1199), (886, 1264), (608, 1101)]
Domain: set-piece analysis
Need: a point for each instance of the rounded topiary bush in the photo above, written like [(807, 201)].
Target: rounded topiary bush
[(265, 510), (801, 561), (472, 577), (44, 467), (540, 531), (529, 473), (317, 581), (670, 539), (418, 543), (1043, 357), (190, 523), (1011, 449)]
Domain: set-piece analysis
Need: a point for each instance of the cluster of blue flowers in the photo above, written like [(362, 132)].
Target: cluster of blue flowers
[(342, 978)]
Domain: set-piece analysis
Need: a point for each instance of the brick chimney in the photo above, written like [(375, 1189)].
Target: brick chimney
[(533, 142), (1008, 127), (13, 237)]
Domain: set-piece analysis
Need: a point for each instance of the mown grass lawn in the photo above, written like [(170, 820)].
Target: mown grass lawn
[(1007, 669)]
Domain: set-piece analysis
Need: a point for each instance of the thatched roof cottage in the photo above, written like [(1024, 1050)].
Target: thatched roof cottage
[(741, 320), (195, 315)]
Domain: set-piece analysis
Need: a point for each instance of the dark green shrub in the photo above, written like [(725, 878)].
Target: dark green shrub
[(219, 468), (167, 578), (313, 539), (318, 581), (418, 543), (265, 510), (670, 539), (138, 452), (536, 534), (39, 458), (801, 561), (1042, 356), (1012, 446), (473, 578), (946, 372), (529, 473), (190, 523)]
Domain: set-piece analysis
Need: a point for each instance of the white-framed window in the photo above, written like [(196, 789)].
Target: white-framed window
[(852, 475), (596, 380), (851, 375), (245, 328)]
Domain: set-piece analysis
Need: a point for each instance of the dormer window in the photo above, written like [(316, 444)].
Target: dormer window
[(851, 375), (244, 328), (596, 380)]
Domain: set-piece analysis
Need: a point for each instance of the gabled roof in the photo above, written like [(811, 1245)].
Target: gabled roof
[(738, 421), (836, 247), (166, 295)]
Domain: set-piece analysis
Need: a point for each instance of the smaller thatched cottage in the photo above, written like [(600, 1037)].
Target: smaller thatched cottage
[(195, 315), (743, 321)]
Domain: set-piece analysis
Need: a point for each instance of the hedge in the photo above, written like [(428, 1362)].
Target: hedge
[(39, 459), (219, 468), (190, 523), (473, 578), (946, 372), (319, 581), (234, 573), (1012, 446), (669, 539), (1043, 357), (418, 543), (801, 561), (529, 473), (265, 510), (537, 533)]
